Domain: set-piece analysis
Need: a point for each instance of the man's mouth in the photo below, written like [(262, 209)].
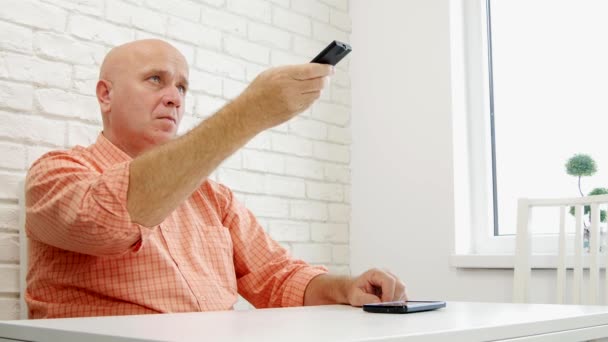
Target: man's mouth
[(170, 118)]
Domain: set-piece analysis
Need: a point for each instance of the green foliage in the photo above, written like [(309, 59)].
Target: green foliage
[(594, 192), (581, 165), (598, 191)]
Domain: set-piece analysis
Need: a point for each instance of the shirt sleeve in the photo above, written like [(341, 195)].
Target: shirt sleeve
[(267, 276), (72, 206)]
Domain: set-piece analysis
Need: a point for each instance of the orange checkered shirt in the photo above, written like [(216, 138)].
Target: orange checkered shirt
[(87, 258)]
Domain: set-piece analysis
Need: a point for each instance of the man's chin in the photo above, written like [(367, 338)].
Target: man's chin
[(166, 137), (159, 137)]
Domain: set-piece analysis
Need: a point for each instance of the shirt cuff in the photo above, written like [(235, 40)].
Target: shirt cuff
[(296, 286)]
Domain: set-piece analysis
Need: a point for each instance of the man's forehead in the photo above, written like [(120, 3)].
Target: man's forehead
[(159, 57), (144, 54), (168, 68)]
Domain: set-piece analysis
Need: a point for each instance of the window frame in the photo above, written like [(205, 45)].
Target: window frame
[(474, 181)]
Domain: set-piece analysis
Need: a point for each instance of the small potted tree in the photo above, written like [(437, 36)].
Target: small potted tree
[(581, 165)]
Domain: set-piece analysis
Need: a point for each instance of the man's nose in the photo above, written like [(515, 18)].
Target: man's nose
[(172, 97)]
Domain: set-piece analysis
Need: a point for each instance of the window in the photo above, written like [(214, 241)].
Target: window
[(542, 66), (550, 82)]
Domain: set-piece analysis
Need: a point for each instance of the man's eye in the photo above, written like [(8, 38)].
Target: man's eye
[(182, 90), (155, 79)]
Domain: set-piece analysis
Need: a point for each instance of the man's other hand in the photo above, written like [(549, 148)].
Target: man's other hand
[(375, 286)]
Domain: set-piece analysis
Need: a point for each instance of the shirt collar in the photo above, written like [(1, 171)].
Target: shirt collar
[(108, 153)]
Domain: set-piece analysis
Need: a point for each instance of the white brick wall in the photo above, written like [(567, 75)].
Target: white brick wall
[(294, 177)]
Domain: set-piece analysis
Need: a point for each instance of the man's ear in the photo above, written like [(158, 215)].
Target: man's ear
[(104, 95)]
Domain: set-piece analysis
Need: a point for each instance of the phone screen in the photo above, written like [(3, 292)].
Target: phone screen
[(406, 303), (403, 306)]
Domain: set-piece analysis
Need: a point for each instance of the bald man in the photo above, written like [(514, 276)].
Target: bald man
[(132, 224)]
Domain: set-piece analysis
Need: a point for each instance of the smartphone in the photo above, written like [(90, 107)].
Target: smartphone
[(402, 307), (333, 53)]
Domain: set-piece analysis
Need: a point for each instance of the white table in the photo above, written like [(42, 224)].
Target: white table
[(459, 321)]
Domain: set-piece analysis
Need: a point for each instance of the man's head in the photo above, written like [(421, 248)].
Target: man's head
[(141, 92)]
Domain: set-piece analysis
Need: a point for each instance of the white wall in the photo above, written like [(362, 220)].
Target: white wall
[(296, 177), (402, 159)]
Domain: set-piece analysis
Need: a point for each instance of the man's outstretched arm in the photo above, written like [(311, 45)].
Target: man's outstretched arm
[(163, 177)]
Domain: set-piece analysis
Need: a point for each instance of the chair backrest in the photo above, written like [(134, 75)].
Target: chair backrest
[(23, 254), (523, 250)]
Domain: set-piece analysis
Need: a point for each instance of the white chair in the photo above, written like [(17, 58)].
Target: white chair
[(23, 255), (523, 251)]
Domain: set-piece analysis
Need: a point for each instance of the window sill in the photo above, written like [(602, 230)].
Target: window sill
[(507, 261)]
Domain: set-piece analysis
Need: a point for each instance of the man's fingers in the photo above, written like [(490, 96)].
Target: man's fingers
[(313, 84), (375, 286), (388, 290), (399, 288), (386, 282), (400, 291), (309, 98), (311, 70), (364, 298)]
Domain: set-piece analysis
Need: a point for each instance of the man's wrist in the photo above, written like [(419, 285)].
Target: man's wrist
[(343, 285), (328, 289), (245, 114)]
